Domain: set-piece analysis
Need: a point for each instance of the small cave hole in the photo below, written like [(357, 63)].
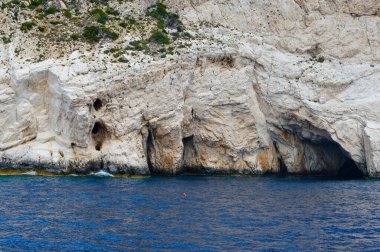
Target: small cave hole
[(99, 134), (349, 170), (98, 146), (98, 104), (96, 128)]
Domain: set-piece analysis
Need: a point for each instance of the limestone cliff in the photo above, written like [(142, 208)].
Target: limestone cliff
[(204, 86)]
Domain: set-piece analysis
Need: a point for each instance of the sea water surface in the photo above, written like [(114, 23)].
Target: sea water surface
[(218, 214)]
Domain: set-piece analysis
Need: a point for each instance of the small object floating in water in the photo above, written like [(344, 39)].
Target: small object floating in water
[(102, 173), (184, 194), (30, 173)]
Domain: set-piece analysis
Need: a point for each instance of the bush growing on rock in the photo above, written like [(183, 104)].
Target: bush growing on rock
[(68, 14), (51, 10), (112, 11), (321, 59), (6, 40), (159, 37), (99, 15), (94, 34), (26, 26), (34, 3), (159, 11), (139, 45)]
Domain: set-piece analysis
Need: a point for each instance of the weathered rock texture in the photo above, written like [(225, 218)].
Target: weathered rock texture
[(246, 97)]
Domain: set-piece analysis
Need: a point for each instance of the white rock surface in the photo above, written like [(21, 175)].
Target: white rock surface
[(252, 105)]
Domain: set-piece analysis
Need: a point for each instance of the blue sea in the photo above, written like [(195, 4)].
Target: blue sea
[(188, 213)]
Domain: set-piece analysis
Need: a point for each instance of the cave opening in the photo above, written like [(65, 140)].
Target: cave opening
[(97, 127), (316, 155), (150, 149), (190, 156), (349, 170), (283, 168), (99, 134), (98, 146), (98, 104), (188, 149)]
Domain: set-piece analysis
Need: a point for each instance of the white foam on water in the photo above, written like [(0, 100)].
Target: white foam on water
[(30, 173), (102, 173)]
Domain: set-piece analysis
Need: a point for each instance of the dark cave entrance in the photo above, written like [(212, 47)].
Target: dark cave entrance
[(99, 134), (349, 170), (150, 149), (98, 104), (189, 155), (315, 156), (283, 168)]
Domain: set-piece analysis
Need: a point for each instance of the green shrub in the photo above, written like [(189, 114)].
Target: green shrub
[(173, 21), (321, 59), (74, 36), (128, 23), (26, 26), (139, 45), (160, 24), (112, 11), (109, 33), (92, 34), (67, 13), (51, 10), (6, 40), (35, 3), (159, 37), (99, 15), (41, 28), (157, 11)]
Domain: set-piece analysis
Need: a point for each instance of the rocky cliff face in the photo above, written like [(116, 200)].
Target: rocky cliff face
[(253, 87)]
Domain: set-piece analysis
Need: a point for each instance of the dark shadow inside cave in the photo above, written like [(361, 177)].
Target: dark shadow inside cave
[(98, 104), (320, 156), (283, 168), (99, 134), (349, 170), (150, 149), (189, 155), (97, 127)]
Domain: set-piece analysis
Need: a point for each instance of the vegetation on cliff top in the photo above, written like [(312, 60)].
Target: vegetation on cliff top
[(67, 23)]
